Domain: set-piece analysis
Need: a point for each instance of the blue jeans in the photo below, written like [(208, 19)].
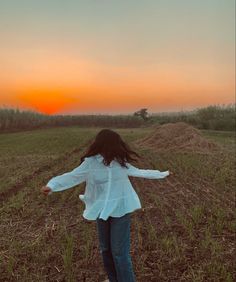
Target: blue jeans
[(114, 240)]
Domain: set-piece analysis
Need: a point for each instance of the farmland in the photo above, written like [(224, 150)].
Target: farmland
[(184, 232)]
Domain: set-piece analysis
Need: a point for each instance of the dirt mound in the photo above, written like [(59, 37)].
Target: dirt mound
[(177, 136)]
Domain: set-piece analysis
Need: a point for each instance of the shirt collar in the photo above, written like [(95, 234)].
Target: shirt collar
[(100, 158)]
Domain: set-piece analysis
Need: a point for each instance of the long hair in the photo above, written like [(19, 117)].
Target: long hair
[(110, 145)]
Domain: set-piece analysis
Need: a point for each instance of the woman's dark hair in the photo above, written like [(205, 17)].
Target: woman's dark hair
[(110, 145)]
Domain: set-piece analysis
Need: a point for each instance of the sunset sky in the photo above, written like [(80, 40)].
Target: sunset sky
[(116, 56)]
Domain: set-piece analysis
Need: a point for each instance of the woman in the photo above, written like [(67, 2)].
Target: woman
[(109, 197)]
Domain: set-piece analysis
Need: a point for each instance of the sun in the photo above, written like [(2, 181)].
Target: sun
[(47, 101)]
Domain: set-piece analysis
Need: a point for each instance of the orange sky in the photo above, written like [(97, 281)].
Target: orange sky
[(66, 86), (105, 65)]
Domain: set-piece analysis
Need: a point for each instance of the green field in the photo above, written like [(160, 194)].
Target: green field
[(185, 231)]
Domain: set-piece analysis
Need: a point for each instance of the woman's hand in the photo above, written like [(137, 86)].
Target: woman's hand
[(46, 190), (171, 173)]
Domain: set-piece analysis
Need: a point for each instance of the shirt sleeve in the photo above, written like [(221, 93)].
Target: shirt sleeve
[(146, 173), (70, 179)]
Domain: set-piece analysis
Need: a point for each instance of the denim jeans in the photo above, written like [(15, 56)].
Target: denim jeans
[(114, 240)]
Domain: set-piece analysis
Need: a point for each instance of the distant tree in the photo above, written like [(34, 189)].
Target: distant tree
[(142, 113)]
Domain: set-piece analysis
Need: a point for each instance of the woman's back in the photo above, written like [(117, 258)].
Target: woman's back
[(108, 190)]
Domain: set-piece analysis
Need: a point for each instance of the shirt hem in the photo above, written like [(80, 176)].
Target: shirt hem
[(129, 211)]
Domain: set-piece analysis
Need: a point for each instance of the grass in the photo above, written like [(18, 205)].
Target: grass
[(67, 256), (225, 138), (184, 232)]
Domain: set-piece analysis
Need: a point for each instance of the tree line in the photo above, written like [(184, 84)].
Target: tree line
[(215, 117), (15, 119)]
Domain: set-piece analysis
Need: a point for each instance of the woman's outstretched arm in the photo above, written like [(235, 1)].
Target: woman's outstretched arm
[(68, 179), (146, 173)]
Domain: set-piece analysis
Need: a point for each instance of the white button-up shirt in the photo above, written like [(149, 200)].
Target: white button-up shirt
[(108, 190)]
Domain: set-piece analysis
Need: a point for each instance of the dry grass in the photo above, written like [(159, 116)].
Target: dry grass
[(185, 231)]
